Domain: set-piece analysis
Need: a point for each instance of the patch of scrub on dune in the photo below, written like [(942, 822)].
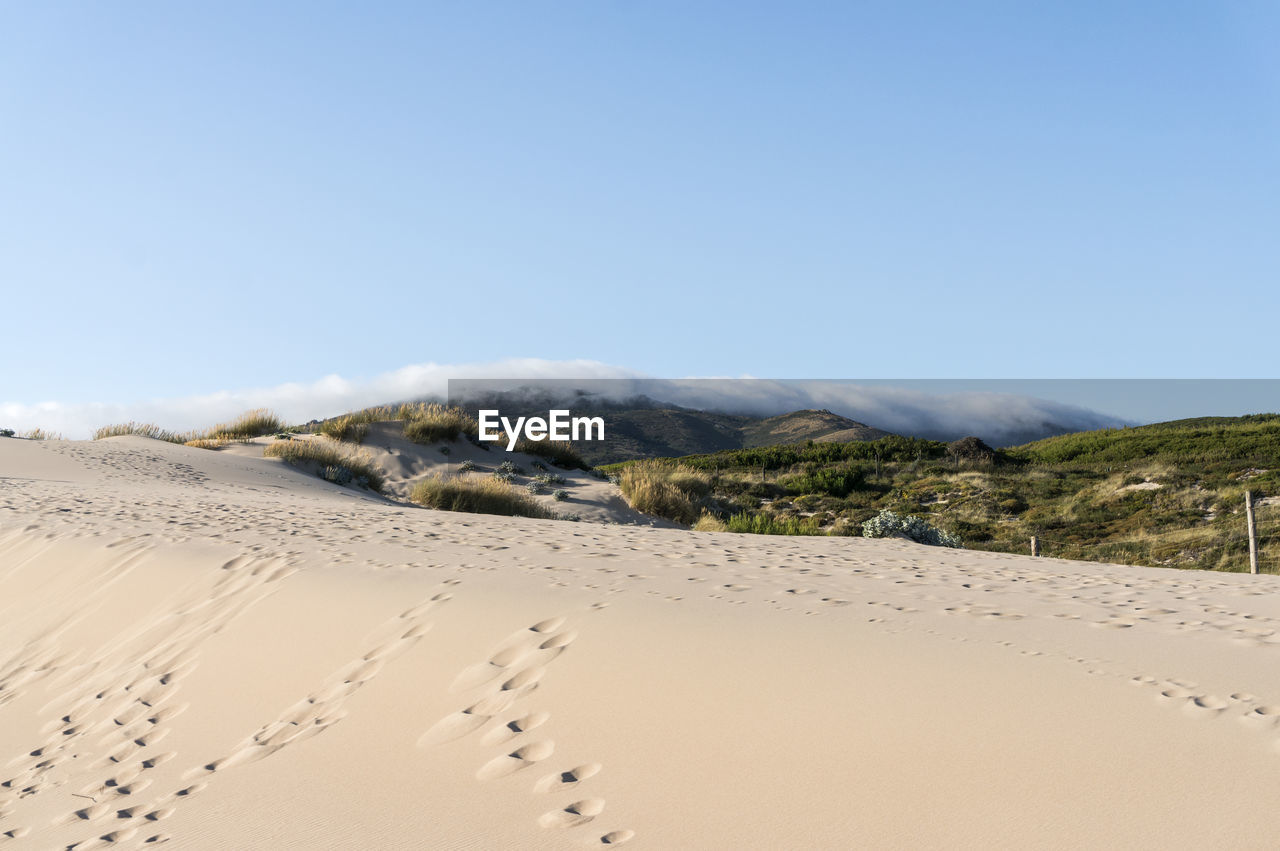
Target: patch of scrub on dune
[(333, 461)]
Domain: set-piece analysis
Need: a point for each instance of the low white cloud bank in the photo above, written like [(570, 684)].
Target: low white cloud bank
[(1001, 419), (998, 418)]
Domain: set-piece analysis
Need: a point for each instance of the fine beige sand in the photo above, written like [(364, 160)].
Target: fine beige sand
[(216, 650)]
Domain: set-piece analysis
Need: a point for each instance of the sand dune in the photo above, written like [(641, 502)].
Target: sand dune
[(218, 651)]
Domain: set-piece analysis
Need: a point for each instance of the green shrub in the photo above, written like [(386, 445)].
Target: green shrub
[(765, 524), (836, 482), (886, 524)]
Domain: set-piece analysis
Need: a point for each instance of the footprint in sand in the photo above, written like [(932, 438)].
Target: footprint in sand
[(517, 760), (577, 813), (516, 727), (458, 724), (567, 779), (617, 837), (498, 663), (1261, 716), (1205, 706)]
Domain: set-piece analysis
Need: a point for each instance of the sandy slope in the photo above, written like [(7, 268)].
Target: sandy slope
[(225, 653)]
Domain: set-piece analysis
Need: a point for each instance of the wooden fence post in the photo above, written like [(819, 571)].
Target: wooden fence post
[(1253, 532), (1035, 546)]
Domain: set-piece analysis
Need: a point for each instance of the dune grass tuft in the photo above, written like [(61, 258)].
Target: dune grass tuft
[(250, 424), (350, 428), (708, 522), (331, 458), (206, 442), (669, 490), (477, 496), (432, 422), (150, 430)]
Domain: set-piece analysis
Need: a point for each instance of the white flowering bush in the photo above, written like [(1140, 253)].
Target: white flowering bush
[(886, 524)]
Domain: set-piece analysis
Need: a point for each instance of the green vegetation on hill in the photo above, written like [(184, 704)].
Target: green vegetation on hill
[(1202, 441), (1166, 494)]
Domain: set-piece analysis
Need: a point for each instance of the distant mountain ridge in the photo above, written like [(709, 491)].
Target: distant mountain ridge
[(643, 428), (650, 432)]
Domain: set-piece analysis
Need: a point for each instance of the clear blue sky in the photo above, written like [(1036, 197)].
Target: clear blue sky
[(241, 194)]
